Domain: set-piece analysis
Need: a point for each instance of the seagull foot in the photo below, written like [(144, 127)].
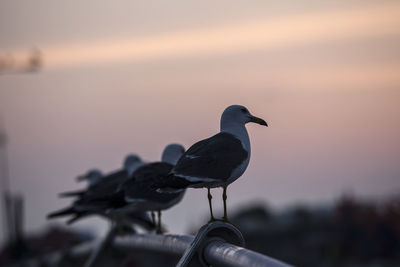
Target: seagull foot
[(225, 219), (219, 220), (159, 232), (212, 219), (120, 232)]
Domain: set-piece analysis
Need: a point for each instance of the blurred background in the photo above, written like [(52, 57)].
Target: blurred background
[(82, 84)]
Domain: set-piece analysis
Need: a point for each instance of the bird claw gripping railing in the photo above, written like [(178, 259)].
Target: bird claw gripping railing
[(211, 232)]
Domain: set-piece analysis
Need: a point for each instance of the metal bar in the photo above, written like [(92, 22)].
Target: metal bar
[(4, 168), (217, 253), (9, 217), (223, 254), (5, 184), (96, 252), (209, 232), (170, 244), (18, 210)]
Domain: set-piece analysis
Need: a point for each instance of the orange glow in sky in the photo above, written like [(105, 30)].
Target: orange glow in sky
[(295, 30)]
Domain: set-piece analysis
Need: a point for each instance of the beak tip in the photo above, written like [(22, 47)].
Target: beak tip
[(258, 121)]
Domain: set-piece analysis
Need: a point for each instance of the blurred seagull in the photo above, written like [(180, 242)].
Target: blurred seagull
[(97, 182), (139, 192), (92, 177), (98, 186), (135, 194), (216, 161)]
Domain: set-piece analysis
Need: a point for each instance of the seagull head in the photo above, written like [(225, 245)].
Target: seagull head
[(172, 153), (92, 176), (132, 162), (239, 114)]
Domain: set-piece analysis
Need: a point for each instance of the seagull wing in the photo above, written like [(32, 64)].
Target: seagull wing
[(141, 187), (211, 159)]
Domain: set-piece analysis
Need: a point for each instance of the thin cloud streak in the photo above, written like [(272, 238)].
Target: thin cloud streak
[(372, 21), (311, 78)]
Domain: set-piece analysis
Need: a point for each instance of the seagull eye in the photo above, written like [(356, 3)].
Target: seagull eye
[(243, 110)]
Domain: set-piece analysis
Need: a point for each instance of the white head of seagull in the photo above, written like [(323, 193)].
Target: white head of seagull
[(236, 116), (233, 121), (172, 153)]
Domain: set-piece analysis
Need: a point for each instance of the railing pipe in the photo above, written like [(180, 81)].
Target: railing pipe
[(217, 253), (168, 243), (223, 254)]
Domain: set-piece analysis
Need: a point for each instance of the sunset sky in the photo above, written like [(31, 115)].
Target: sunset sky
[(133, 76)]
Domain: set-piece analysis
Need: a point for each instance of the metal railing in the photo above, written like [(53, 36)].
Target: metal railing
[(215, 251)]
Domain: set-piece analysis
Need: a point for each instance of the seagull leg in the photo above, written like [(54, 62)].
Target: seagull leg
[(153, 217), (159, 230), (224, 197), (209, 203), (119, 225)]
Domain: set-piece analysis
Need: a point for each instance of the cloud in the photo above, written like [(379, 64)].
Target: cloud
[(262, 34)]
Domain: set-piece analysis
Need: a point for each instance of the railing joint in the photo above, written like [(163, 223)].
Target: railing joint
[(212, 232)]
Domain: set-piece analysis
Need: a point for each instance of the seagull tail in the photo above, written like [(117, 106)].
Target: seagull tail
[(72, 193), (61, 213)]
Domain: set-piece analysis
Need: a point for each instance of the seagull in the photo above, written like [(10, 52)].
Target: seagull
[(112, 202), (99, 186), (139, 192), (98, 183), (216, 161), (93, 176)]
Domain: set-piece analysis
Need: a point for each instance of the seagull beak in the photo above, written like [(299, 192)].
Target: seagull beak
[(258, 120), (81, 178)]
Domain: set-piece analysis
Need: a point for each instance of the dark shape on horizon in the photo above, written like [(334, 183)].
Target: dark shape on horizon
[(35, 61), (36, 247)]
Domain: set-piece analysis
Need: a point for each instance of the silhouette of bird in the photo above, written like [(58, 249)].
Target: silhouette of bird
[(99, 185), (139, 192), (97, 182), (92, 177), (107, 198), (216, 161)]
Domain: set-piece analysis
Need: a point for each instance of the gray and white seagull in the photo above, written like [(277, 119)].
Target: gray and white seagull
[(216, 161)]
